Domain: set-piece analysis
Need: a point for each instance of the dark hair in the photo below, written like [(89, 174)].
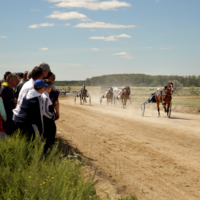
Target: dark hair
[(36, 73), (20, 74), (25, 74), (36, 88), (0, 84), (51, 74), (6, 74), (49, 83)]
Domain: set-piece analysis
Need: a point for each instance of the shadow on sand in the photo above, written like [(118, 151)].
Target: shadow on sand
[(67, 149)]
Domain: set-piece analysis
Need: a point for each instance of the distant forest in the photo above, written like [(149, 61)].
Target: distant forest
[(137, 80)]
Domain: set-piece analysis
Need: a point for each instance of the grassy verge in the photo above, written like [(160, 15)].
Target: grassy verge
[(26, 174)]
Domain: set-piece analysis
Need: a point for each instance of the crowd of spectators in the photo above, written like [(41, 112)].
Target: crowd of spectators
[(29, 104)]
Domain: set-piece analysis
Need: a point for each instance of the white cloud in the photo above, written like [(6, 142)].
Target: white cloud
[(165, 48), (147, 47), (123, 55), (103, 25), (110, 38), (68, 16), (44, 49), (67, 24), (95, 49), (41, 25), (3, 37), (90, 4)]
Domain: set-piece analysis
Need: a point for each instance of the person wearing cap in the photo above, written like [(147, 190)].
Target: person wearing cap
[(49, 117), (37, 73), (45, 67), (30, 118)]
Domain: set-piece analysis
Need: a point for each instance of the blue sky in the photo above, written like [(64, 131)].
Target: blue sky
[(84, 38)]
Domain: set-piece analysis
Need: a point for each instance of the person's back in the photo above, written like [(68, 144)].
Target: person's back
[(30, 117), (37, 73)]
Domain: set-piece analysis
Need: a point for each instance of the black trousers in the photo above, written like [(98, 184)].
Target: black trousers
[(9, 127), (25, 129), (49, 132)]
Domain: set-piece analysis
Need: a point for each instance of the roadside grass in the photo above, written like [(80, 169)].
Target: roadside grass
[(26, 174), (176, 101), (134, 90)]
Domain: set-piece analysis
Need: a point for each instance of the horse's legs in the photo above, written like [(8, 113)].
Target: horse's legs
[(168, 107), (158, 108), (80, 100)]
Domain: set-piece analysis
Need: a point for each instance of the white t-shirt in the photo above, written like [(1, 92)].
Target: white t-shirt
[(46, 103), (29, 85)]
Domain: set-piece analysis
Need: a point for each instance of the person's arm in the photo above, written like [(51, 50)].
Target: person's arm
[(46, 112), (2, 110), (57, 110)]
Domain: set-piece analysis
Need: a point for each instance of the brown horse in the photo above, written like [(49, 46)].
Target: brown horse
[(165, 97), (109, 96), (83, 94), (125, 95)]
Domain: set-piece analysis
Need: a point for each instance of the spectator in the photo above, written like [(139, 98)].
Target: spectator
[(54, 94), (3, 117), (45, 67), (48, 117), (30, 117), (22, 82), (9, 100), (20, 75), (29, 75), (37, 73), (24, 79), (4, 84)]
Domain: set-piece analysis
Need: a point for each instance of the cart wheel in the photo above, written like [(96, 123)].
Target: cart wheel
[(100, 101), (130, 103), (169, 112), (113, 102), (90, 101), (142, 109)]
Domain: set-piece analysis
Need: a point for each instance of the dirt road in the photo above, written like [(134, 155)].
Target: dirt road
[(154, 158)]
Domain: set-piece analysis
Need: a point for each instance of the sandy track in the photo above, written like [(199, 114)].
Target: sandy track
[(156, 158)]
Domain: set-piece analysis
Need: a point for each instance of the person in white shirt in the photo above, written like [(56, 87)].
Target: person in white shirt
[(120, 93), (109, 90), (37, 73)]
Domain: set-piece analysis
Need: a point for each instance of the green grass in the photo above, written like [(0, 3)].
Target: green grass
[(134, 90), (177, 101), (26, 174)]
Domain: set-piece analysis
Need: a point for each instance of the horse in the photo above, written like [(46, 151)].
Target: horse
[(165, 97), (125, 95), (83, 94), (109, 97)]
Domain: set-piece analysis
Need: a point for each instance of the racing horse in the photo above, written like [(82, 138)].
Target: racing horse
[(125, 96), (165, 98), (83, 94), (109, 96)]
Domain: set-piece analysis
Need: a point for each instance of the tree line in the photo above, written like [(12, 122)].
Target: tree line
[(137, 80)]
